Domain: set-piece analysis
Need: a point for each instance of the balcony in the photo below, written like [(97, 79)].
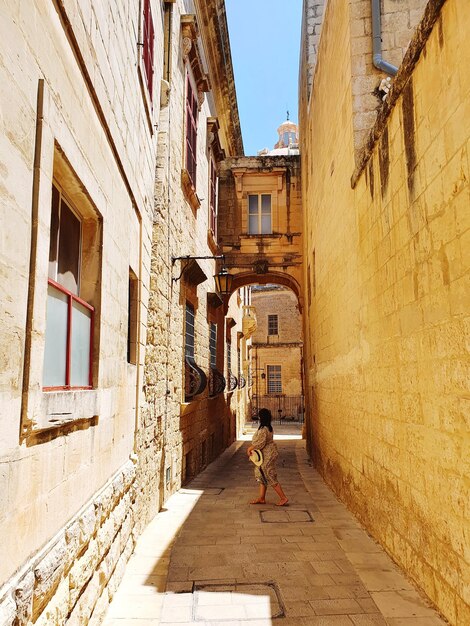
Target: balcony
[(249, 321)]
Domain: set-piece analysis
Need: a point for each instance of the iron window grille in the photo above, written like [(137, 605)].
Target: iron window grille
[(216, 379), (232, 381), (274, 379), (273, 325), (195, 378)]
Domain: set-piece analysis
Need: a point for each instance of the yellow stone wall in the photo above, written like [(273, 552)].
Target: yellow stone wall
[(388, 299)]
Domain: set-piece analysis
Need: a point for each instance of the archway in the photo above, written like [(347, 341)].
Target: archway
[(270, 351)]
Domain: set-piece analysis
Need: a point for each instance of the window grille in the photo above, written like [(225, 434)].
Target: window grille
[(273, 325), (189, 335), (274, 379), (213, 345)]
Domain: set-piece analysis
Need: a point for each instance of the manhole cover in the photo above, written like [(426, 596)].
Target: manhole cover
[(219, 602), (284, 516), (216, 491)]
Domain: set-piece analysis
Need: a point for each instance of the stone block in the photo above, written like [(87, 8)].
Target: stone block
[(7, 611), (87, 524), (48, 574), (24, 599), (83, 568)]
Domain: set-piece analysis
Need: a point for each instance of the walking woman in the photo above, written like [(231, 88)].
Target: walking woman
[(266, 473)]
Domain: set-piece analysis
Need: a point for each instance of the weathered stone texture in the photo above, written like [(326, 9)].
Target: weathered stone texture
[(67, 63), (387, 326), (64, 583)]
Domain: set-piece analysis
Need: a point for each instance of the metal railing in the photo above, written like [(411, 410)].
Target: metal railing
[(284, 409)]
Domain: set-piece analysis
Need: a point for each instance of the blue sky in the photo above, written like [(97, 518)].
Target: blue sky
[(265, 43)]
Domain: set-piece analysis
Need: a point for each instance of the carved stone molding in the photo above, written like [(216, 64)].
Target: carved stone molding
[(192, 55), (213, 139)]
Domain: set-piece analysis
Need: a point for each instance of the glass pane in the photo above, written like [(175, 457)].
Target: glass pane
[(265, 204), (56, 338), (54, 233), (252, 205), (266, 224), (69, 249), (253, 225), (81, 335)]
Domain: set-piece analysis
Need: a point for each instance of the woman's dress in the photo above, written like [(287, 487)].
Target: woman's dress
[(262, 440)]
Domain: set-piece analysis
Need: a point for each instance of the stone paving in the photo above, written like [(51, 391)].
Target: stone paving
[(210, 558)]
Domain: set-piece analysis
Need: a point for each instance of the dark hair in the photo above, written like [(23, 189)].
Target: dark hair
[(265, 418)]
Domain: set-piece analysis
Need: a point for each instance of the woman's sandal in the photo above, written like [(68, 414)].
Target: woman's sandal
[(258, 501), (284, 502)]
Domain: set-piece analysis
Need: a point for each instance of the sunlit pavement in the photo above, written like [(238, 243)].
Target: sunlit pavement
[(211, 558)]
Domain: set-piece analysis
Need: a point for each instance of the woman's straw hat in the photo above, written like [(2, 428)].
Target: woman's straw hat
[(256, 457)]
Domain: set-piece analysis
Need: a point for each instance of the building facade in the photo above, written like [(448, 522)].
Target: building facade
[(114, 348), (386, 206), (277, 352)]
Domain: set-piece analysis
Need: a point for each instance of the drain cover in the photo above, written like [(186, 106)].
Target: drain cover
[(216, 491), (284, 516), (219, 602)]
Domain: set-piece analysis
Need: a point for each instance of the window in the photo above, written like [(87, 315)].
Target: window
[(195, 379), (274, 379), (191, 131), (213, 345), (273, 327), (189, 336), (148, 45), (259, 214), (213, 197), (132, 318), (229, 358), (167, 25), (69, 319)]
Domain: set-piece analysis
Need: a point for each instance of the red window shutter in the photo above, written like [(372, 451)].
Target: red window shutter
[(213, 199), (191, 132), (149, 37)]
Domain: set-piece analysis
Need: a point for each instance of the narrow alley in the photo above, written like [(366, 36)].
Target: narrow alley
[(211, 558)]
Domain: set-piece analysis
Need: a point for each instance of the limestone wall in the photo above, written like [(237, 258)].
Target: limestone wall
[(180, 437), (74, 109), (387, 289)]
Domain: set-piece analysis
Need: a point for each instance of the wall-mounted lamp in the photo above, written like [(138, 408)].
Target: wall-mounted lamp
[(223, 279)]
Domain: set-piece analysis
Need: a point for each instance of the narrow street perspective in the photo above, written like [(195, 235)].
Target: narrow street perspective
[(220, 218), (212, 558)]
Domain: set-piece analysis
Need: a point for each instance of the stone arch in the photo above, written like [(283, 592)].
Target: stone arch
[(270, 278)]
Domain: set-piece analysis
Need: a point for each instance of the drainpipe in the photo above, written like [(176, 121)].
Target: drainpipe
[(378, 61)]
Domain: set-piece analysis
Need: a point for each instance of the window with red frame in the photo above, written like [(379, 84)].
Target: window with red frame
[(213, 198), (69, 319), (148, 45), (191, 131)]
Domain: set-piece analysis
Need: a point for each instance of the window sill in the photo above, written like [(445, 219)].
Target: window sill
[(62, 407), (189, 191)]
